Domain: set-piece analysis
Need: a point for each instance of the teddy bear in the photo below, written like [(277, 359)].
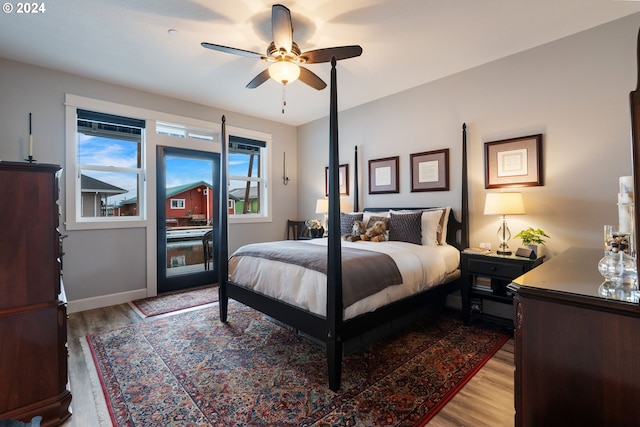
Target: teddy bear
[(375, 233), (357, 229)]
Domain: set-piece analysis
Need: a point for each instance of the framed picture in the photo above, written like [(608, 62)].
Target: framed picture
[(513, 162), (343, 179), (430, 171), (384, 175)]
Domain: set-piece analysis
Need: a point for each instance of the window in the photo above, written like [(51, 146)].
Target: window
[(181, 131), (247, 185), (177, 203), (109, 151)]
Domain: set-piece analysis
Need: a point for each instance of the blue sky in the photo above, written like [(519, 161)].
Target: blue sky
[(100, 151)]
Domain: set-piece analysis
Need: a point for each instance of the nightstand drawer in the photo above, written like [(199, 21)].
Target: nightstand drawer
[(510, 271)]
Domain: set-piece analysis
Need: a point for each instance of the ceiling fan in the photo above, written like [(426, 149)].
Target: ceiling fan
[(285, 56)]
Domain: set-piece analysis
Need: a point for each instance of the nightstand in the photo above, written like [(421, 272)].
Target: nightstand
[(484, 290)]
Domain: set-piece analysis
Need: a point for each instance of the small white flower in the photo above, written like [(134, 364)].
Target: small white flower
[(314, 224)]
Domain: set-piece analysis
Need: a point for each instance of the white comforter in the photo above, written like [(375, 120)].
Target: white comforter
[(421, 267)]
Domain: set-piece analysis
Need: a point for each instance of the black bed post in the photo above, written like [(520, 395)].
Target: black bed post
[(356, 201), (334, 262), (222, 235), (464, 237)]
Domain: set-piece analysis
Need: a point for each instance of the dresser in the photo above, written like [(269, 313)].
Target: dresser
[(577, 353), (33, 315)]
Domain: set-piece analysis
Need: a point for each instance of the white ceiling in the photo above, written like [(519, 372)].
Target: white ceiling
[(405, 43)]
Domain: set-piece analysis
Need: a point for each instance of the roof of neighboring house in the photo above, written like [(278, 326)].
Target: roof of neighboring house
[(238, 193), (89, 184), (172, 191)]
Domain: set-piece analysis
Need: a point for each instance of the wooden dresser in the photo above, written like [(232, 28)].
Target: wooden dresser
[(33, 314), (577, 354)]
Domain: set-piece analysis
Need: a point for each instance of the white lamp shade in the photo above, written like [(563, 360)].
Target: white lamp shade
[(322, 206), (284, 72), (503, 204)]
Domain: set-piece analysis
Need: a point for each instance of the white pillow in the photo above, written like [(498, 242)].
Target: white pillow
[(431, 226), (444, 223)]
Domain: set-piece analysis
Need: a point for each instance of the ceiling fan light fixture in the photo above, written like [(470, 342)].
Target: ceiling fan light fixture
[(284, 72)]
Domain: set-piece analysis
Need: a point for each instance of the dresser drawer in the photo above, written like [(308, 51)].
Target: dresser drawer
[(510, 271)]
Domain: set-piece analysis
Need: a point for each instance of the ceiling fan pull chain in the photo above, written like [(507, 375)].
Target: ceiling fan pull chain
[(284, 97)]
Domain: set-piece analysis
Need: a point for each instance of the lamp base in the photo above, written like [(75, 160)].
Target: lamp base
[(503, 249)]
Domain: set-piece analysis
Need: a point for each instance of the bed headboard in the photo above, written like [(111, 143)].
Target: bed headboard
[(455, 228)]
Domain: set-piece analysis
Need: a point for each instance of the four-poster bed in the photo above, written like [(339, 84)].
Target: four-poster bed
[(335, 325)]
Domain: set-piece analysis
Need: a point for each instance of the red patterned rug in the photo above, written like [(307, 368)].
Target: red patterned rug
[(190, 369), (168, 303)]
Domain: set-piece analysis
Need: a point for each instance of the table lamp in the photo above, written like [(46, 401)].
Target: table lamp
[(503, 204), (322, 206)]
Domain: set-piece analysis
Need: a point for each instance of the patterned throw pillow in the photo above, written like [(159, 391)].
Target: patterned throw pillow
[(406, 227), (347, 220)]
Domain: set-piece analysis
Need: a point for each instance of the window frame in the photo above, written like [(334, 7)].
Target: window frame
[(73, 170), (262, 180), (182, 204)]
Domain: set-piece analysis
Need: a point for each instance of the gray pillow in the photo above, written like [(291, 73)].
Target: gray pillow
[(406, 227), (347, 220)]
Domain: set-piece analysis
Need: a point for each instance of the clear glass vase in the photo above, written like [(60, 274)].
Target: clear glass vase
[(620, 277)]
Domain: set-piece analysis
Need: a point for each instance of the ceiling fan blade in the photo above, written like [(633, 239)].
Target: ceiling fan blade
[(259, 79), (311, 79), (324, 55), (232, 50), (281, 27)]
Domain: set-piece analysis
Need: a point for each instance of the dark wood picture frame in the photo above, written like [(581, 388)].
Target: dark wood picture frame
[(384, 175), (515, 162), (343, 179), (430, 171)]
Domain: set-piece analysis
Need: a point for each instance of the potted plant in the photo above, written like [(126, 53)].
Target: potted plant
[(315, 228), (532, 237)]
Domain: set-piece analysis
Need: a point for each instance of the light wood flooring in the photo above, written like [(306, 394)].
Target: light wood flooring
[(485, 401)]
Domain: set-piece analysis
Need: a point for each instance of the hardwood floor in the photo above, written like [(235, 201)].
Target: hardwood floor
[(486, 401)]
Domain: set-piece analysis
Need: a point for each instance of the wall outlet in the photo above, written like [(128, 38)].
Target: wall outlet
[(485, 246)]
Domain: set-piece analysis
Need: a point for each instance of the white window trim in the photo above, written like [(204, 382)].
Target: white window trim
[(177, 200), (267, 209), (73, 220)]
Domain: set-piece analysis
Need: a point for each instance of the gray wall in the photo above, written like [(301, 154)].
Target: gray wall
[(102, 267), (574, 91)]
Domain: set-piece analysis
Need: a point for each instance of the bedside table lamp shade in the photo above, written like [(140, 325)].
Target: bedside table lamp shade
[(503, 204), (322, 206)]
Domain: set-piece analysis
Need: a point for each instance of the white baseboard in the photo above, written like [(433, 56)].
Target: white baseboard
[(105, 300)]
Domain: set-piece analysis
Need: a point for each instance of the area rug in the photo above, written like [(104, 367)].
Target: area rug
[(168, 303), (191, 369)]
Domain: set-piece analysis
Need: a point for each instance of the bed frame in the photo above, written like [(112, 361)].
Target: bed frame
[(332, 329)]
